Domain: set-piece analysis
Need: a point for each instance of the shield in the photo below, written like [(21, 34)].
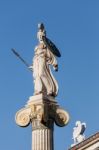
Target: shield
[(51, 46)]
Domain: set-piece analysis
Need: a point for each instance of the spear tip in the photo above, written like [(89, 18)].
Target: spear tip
[(13, 50)]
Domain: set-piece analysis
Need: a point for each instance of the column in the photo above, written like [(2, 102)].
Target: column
[(42, 135)]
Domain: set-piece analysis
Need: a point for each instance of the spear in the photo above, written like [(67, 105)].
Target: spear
[(16, 53)]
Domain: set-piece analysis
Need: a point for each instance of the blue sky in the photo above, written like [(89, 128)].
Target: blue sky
[(73, 25)]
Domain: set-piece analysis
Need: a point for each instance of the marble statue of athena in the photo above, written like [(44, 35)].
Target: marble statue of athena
[(42, 110), (44, 57)]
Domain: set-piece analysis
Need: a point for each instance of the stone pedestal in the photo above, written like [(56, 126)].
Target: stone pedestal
[(42, 112)]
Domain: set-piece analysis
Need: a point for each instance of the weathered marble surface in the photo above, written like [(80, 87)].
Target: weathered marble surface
[(42, 112), (42, 108), (44, 81)]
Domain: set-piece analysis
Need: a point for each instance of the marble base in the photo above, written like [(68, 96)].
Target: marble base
[(42, 112)]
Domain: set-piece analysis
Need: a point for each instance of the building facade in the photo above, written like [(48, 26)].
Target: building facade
[(91, 143)]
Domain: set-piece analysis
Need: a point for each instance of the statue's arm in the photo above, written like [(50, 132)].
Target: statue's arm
[(51, 59)]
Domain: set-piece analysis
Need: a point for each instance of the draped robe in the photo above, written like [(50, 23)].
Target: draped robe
[(44, 81)]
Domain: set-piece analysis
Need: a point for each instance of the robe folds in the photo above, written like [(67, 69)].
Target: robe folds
[(44, 81)]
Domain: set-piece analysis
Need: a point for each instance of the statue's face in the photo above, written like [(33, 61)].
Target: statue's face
[(40, 35)]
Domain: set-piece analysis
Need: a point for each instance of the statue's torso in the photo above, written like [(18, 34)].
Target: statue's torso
[(40, 50)]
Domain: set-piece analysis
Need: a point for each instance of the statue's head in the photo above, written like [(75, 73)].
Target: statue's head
[(41, 26), (41, 32), (78, 123)]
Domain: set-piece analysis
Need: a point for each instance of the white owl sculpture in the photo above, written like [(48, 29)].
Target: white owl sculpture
[(78, 132)]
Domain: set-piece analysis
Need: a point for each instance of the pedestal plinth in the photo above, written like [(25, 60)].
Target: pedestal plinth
[(42, 112)]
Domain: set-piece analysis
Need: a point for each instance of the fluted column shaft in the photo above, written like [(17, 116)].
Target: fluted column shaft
[(42, 136)]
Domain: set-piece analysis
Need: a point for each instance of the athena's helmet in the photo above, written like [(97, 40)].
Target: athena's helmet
[(41, 31), (41, 26), (41, 35)]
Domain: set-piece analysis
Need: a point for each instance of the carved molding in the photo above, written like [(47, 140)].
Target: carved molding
[(22, 117), (61, 117), (41, 114)]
